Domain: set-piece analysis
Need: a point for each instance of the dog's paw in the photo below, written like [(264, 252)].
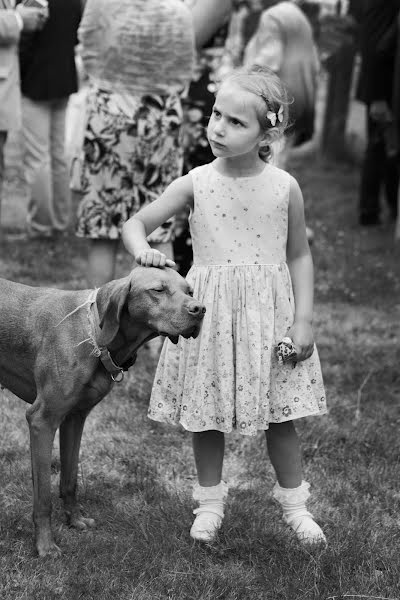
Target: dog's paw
[(81, 523), (47, 547)]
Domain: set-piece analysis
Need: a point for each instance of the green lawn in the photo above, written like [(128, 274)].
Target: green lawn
[(136, 475)]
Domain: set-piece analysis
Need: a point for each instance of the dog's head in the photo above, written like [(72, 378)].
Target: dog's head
[(149, 301)]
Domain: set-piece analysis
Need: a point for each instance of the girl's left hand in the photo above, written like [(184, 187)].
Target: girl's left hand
[(301, 334)]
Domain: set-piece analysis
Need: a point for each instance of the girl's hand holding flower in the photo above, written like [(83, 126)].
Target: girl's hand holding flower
[(154, 258), (302, 335)]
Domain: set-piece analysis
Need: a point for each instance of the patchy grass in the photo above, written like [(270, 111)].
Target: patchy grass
[(136, 475)]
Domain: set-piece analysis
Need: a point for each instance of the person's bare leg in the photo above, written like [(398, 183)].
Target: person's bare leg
[(284, 453), (210, 492), (291, 491), (209, 448), (3, 139), (102, 257)]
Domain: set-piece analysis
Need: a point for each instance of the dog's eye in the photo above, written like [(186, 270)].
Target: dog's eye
[(159, 289), (190, 293)]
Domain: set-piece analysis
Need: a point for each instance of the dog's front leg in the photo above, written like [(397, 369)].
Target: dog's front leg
[(42, 431), (70, 440)]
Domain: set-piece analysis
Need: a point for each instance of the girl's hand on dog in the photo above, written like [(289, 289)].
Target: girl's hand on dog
[(302, 336), (154, 258)]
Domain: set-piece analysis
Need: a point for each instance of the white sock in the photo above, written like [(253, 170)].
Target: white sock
[(295, 514), (210, 512)]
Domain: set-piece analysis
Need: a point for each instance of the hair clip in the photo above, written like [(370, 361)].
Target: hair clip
[(273, 116)]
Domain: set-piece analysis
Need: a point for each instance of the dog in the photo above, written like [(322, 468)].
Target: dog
[(61, 351)]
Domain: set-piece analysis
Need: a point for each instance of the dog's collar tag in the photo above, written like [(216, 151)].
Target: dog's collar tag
[(118, 377), (116, 372)]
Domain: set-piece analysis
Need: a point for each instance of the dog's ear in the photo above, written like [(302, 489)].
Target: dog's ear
[(114, 301)]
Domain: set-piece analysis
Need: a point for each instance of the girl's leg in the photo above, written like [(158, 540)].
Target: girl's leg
[(210, 492), (101, 261), (209, 448), (284, 453), (290, 490)]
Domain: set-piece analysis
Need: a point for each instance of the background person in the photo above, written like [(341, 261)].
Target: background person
[(12, 23), (48, 78), (283, 42), (139, 57), (396, 116), (380, 168)]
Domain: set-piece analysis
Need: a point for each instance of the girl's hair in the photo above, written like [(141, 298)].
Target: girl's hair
[(273, 98)]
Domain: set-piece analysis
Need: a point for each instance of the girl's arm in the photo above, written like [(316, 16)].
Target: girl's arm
[(175, 198), (302, 274)]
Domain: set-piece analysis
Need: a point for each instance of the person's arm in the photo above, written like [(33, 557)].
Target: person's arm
[(234, 44), (208, 17), (175, 198), (302, 274), (33, 18), (266, 47), (10, 27)]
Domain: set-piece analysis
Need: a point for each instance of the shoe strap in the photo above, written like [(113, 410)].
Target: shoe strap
[(209, 509), (295, 516)]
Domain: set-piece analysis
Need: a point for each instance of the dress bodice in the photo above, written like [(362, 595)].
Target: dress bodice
[(239, 220)]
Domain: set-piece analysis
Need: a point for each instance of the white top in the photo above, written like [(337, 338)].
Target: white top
[(138, 46)]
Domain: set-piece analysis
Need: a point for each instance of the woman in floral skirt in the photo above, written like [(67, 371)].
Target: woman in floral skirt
[(138, 55)]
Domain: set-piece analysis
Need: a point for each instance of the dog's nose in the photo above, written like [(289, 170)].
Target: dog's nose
[(195, 308)]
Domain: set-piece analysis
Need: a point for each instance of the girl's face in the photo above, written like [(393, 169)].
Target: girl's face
[(234, 128)]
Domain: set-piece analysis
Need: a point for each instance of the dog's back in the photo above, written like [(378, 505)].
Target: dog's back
[(27, 317)]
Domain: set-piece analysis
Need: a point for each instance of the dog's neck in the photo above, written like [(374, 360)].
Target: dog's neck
[(128, 340)]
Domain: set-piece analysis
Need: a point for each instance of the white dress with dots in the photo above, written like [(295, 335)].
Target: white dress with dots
[(229, 376)]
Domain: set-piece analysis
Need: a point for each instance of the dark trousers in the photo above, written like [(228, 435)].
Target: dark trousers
[(378, 169), (3, 139)]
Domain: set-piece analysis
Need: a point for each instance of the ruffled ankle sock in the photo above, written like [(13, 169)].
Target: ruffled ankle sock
[(210, 512), (295, 514)]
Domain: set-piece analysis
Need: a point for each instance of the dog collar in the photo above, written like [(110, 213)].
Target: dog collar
[(116, 372)]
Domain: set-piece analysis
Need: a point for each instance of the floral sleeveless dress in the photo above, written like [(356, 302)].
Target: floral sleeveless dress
[(229, 377)]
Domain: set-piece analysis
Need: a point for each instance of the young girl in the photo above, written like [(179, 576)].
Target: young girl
[(253, 271)]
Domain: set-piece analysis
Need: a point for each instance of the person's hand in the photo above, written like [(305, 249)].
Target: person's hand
[(301, 334), (380, 112), (33, 18), (154, 258)]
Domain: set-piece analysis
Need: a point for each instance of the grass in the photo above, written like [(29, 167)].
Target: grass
[(136, 475)]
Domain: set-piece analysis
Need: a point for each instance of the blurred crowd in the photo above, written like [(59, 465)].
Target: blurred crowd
[(146, 72)]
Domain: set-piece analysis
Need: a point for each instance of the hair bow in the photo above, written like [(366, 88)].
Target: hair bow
[(273, 116)]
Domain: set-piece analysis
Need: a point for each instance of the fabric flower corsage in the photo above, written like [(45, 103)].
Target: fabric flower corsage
[(273, 116)]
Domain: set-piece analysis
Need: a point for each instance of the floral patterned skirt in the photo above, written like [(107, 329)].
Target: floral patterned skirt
[(132, 151)]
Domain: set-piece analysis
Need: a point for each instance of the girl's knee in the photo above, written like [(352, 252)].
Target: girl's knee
[(283, 428), (206, 435)]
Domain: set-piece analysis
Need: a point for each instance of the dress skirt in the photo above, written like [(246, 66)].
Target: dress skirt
[(229, 377)]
